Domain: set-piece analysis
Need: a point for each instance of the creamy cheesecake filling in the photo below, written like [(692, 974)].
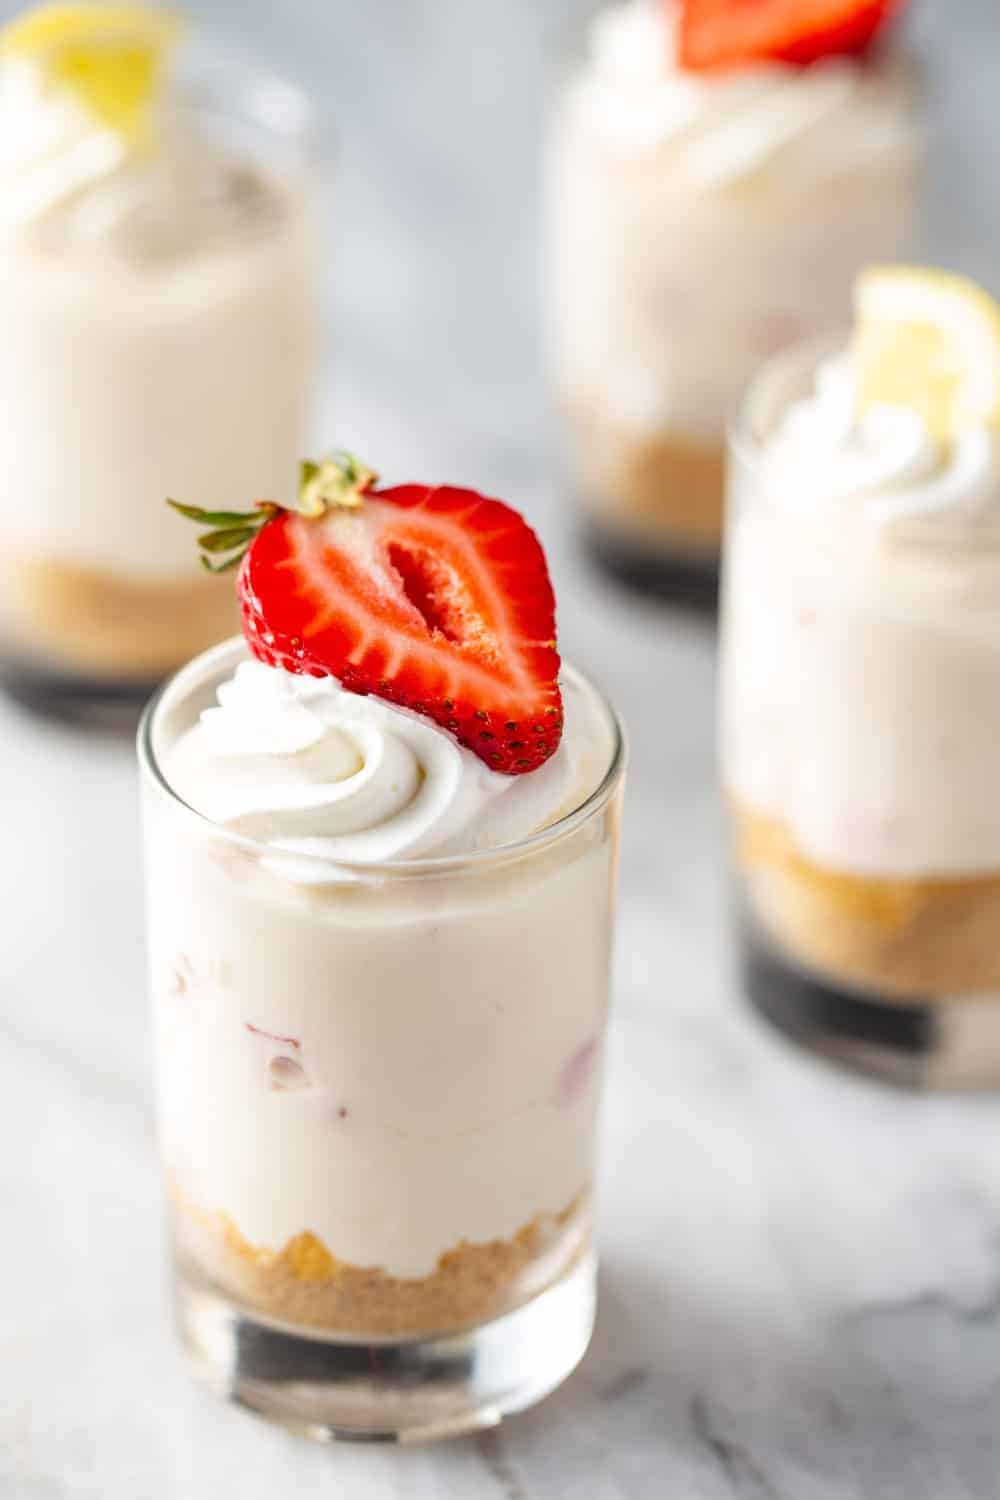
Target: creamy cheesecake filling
[(406, 1072), (863, 614), (156, 309)]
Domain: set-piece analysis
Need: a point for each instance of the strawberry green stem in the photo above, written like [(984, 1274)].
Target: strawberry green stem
[(338, 482)]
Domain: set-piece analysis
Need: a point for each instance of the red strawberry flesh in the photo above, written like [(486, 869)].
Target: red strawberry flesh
[(432, 598), (718, 34)]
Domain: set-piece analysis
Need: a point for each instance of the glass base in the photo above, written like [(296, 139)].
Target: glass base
[(945, 1044), (87, 702), (389, 1391), (687, 579)]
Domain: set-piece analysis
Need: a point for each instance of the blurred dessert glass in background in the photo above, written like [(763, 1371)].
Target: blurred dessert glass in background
[(714, 183), (860, 714), (158, 300)]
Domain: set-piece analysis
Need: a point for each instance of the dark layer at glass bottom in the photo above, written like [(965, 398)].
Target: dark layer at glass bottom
[(385, 1390), (90, 702), (687, 579), (921, 1043)]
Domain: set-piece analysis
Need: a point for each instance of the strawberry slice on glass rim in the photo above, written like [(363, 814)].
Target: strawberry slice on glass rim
[(431, 597)]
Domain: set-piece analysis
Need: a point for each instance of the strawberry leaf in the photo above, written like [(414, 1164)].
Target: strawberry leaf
[(222, 567), (213, 517), (225, 541)]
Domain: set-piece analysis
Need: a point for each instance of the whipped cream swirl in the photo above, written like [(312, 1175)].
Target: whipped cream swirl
[(51, 147), (723, 126), (882, 464), (75, 181), (312, 770)]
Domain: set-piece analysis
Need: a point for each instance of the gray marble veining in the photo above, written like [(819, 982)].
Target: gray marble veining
[(801, 1272)]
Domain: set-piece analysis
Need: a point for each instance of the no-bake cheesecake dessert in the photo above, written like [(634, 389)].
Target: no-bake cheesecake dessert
[(718, 174), (157, 270), (381, 839), (861, 639)]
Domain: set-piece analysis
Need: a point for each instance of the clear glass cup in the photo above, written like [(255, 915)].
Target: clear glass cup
[(858, 745), (160, 338), (674, 268), (378, 1093)]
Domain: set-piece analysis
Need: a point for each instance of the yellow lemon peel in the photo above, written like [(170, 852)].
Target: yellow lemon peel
[(928, 340), (109, 56)]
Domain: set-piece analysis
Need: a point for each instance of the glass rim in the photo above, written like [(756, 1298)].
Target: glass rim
[(473, 861), (272, 100)]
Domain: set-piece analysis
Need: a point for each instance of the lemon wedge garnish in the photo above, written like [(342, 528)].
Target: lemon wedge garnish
[(110, 57), (928, 340)]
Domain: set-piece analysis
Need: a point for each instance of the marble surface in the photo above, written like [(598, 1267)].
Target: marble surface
[(801, 1272)]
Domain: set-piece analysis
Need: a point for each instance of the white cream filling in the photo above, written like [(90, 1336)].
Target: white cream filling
[(862, 638), (159, 334)]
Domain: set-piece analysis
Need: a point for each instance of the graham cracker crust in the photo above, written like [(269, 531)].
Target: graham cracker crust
[(936, 937), (668, 487), (303, 1283), (100, 623), (672, 486)]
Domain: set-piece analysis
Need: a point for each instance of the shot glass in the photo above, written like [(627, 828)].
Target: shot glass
[(859, 721), (696, 225), (160, 338), (378, 1096)]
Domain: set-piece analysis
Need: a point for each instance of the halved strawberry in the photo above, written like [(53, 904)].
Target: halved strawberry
[(431, 597), (716, 34)]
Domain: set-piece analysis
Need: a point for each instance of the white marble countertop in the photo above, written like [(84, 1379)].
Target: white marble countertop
[(801, 1271)]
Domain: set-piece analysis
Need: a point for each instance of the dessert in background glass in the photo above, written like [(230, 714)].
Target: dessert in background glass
[(380, 895), (711, 195), (158, 272), (860, 661)]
